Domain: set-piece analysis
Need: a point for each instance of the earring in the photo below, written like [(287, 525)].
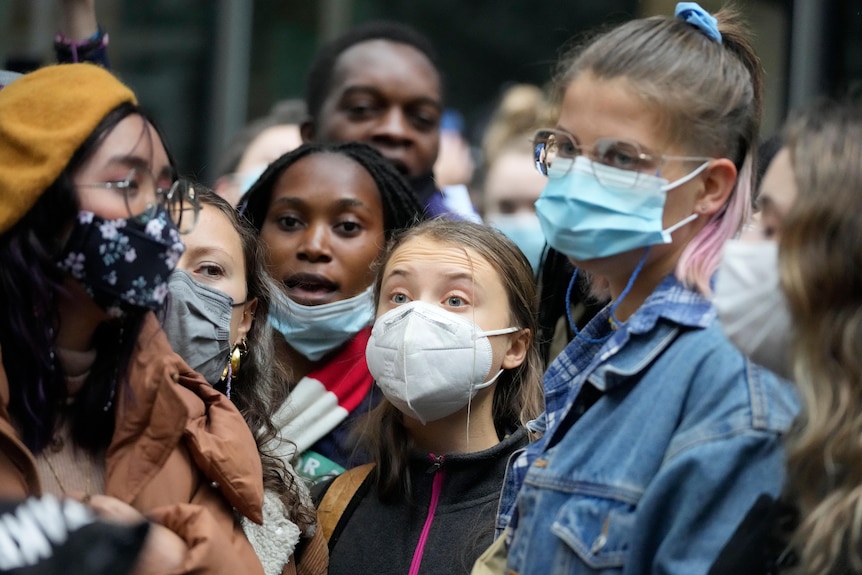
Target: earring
[(240, 350)]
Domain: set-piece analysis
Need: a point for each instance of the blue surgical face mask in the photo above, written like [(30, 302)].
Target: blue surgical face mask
[(525, 230), (589, 210), (315, 330)]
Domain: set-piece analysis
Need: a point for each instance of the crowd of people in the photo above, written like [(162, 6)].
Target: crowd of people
[(329, 364)]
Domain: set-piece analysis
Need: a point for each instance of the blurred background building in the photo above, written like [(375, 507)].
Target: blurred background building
[(205, 67)]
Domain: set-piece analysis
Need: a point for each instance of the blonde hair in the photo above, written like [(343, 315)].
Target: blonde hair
[(821, 275), (523, 109), (708, 97)]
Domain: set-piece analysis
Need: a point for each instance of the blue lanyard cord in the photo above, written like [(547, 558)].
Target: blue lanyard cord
[(614, 305), (572, 325)]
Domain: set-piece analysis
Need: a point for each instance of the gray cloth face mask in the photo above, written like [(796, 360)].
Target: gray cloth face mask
[(197, 322)]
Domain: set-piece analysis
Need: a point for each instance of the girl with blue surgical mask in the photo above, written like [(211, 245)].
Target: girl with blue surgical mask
[(809, 249), (324, 214), (658, 433), (511, 189)]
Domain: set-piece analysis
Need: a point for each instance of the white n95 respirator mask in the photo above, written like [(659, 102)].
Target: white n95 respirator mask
[(430, 362)]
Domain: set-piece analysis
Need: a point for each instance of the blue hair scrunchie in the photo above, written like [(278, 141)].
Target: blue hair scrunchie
[(692, 13)]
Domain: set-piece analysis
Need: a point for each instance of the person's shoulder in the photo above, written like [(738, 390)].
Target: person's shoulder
[(775, 403), (319, 489), (708, 347), (728, 382)]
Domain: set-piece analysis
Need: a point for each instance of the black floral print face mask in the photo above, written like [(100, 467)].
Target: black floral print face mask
[(123, 263)]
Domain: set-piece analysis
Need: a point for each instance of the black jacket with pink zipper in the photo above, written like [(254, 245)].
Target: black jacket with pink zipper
[(449, 523)]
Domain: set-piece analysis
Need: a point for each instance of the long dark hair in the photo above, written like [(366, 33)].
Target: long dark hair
[(260, 384), (30, 289)]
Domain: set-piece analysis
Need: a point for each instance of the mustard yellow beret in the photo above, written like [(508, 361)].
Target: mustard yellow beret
[(44, 117)]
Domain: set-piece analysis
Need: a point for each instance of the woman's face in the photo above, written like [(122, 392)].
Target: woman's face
[(777, 194), (214, 257), (458, 280), (324, 229), (133, 144), (512, 185), (594, 109)]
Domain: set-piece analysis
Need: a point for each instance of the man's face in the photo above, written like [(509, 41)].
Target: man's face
[(387, 95)]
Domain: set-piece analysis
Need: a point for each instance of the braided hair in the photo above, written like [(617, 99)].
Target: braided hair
[(401, 206), (319, 79)]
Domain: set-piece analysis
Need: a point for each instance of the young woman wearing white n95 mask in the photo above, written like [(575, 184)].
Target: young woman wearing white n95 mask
[(810, 249), (452, 349), (748, 299)]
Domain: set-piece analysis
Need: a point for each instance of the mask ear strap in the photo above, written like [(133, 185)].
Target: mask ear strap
[(490, 381), (681, 223), (686, 178), (503, 331)]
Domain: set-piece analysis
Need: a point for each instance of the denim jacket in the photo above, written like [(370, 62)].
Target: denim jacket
[(657, 474)]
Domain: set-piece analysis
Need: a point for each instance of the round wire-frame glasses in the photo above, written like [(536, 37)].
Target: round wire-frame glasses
[(142, 197), (550, 146)]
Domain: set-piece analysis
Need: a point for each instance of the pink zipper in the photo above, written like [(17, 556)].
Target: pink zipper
[(436, 488)]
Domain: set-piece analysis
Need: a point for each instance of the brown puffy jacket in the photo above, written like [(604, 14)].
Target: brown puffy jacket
[(181, 454)]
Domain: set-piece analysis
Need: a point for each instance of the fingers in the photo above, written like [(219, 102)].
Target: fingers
[(113, 509)]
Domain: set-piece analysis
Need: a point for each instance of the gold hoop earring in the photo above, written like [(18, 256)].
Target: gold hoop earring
[(240, 350)]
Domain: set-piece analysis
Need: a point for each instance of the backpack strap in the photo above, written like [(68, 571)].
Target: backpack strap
[(336, 499)]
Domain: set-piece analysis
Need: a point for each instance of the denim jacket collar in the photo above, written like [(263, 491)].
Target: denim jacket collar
[(668, 309), (619, 493)]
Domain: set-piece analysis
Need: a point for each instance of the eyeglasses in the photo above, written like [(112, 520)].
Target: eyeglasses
[(143, 196), (183, 204), (550, 146)]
